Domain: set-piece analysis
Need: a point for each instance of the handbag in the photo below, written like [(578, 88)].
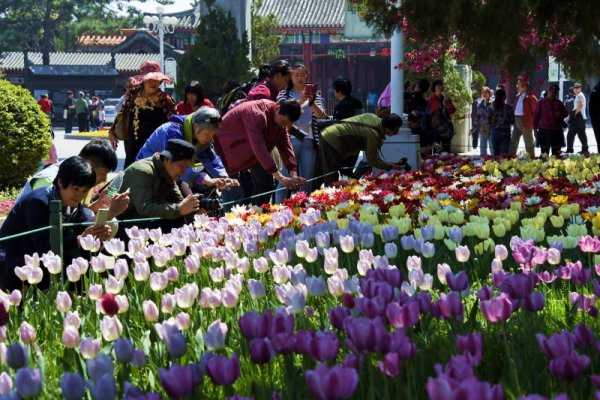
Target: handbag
[(65, 113), (120, 128)]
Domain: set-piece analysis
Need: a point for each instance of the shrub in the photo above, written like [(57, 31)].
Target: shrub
[(24, 135)]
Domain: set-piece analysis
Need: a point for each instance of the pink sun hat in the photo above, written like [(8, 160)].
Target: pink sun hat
[(150, 70)]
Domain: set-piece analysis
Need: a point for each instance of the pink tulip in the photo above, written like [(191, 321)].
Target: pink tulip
[(6, 383), (186, 296), (168, 303), (27, 333), (589, 244), (192, 264), (158, 281), (15, 297), (63, 302), (497, 309), (72, 318), (52, 262), (141, 271), (70, 337), (115, 247), (261, 265), (111, 328), (183, 321), (89, 348), (95, 291), (210, 298), (150, 311), (172, 274), (229, 297), (123, 303), (121, 269), (462, 253)]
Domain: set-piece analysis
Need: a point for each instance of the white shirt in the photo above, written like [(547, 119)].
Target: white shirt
[(580, 99), (519, 106)]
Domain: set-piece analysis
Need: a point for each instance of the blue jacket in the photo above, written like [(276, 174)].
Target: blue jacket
[(180, 127), (33, 212)]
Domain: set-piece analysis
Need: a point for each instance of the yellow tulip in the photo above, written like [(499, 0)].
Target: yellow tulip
[(450, 244), (457, 217), (469, 229), (398, 210), (570, 242), (332, 214), (547, 211), (482, 231), (499, 230), (440, 233), (574, 207), (479, 250), (378, 228), (557, 221), (343, 223)]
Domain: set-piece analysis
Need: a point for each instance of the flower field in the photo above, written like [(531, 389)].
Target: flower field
[(469, 279)]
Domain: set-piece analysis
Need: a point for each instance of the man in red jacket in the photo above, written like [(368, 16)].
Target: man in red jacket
[(248, 134), (524, 108)]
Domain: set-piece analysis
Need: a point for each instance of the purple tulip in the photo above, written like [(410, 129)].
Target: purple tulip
[(123, 350), (389, 233), (458, 282), (455, 234), (28, 382), (449, 306), (523, 253), (535, 302), (547, 277), (324, 346), (584, 337), (99, 366), (391, 364), (104, 388), (569, 367), (581, 276), (177, 345), (517, 286), (558, 345), (331, 384), (177, 381), (471, 345), (255, 326), (367, 240), (337, 315), (589, 244), (402, 316), (371, 307), (261, 351), (222, 370), (72, 386), (485, 293), (497, 309), (364, 334), (407, 242), (139, 358), (428, 249), (16, 356), (282, 323), (303, 340)]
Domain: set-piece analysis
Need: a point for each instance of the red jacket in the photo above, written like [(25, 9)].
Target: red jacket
[(183, 108), (247, 136), (46, 105), (263, 90), (529, 106)]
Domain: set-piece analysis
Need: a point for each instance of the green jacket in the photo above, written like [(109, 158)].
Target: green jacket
[(81, 106), (153, 192), (349, 140)]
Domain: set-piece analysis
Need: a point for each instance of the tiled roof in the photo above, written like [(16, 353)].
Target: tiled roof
[(68, 70), (306, 13), (14, 61), (98, 40)]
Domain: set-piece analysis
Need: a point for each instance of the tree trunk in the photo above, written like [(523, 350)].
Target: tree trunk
[(48, 27)]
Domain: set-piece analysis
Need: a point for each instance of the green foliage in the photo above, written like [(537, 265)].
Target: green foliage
[(265, 43), (42, 25), (492, 30), (217, 56), (24, 135), (455, 87), (477, 82)]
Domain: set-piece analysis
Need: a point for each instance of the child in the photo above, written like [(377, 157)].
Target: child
[(101, 116)]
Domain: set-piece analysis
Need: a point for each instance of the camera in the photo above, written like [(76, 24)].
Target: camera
[(298, 133), (210, 203), (404, 161)]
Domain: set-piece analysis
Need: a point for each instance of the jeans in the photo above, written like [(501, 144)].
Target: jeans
[(262, 182), (484, 143), (69, 123), (500, 141), (520, 130), (304, 151), (82, 122), (577, 127)]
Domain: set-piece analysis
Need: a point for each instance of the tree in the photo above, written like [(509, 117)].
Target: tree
[(49, 25), (265, 43), (217, 56), (515, 34)]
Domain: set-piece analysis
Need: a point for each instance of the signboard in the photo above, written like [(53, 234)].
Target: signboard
[(171, 72), (355, 27), (555, 71)]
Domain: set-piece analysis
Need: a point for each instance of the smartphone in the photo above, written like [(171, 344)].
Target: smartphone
[(101, 216), (311, 88)]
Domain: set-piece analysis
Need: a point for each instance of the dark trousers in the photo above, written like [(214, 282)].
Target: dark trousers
[(596, 127), (82, 121), (69, 123), (332, 163), (577, 127), (262, 182), (500, 141), (132, 148)]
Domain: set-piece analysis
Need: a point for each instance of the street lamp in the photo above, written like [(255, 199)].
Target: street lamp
[(161, 24)]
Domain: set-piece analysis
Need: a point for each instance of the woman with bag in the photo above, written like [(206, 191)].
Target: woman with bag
[(146, 107), (304, 143), (481, 124), (548, 121)]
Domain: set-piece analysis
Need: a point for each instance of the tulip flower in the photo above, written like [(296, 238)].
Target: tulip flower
[(28, 382), (403, 316), (391, 364), (89, 348), (256, 288), (52, 262), (109, 304), (589, 244), (569, 367), (16, 356), (177, 381), (223, 371), (497, 309), (6, 383), (72, 386), (335, 383), (111, 328), (462, 254), (123, 350), (168, 303), (63, 302), (27, 333), (323, 346), (70, 337), (15, 297), (557, 345), (177, 345), (214, 338), (158, 281), (261, 351)]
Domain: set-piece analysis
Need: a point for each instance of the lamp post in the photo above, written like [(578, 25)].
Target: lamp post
[(397, 74), (162, 25)]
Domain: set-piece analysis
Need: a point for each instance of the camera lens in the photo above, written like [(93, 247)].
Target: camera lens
[(210, 204)]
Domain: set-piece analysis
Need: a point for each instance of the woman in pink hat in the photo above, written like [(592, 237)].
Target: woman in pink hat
[(148, 108)]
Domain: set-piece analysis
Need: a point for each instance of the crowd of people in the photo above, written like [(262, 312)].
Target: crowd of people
[(262, 142), (87, 111)]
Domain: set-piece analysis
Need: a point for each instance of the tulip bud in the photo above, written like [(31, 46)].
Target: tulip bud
[(150, 311), (27, 333), (70, 337), (63, 302), (123, 350)]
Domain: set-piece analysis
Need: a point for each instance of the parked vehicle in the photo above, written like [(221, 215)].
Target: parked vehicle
[(109, 110)]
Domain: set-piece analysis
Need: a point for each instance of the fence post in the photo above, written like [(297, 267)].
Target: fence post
[(56, 228)]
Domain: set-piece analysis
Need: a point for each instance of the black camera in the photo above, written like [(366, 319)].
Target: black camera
[(298, 133), (404, 162), (210, 203)]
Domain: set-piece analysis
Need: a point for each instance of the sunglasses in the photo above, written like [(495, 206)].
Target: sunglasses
[(213, 120)]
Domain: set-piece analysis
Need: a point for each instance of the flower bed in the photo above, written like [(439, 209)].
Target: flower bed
[(470, 279)]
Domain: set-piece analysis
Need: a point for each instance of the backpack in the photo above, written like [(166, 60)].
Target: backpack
[(236, 96)]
